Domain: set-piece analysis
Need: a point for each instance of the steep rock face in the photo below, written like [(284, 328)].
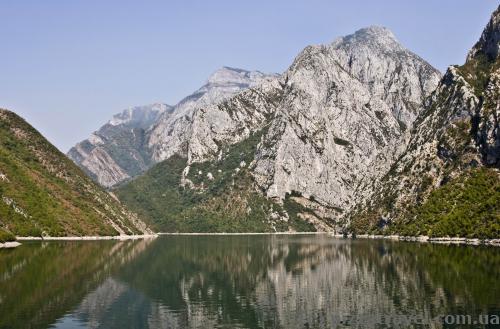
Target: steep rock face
[(43, 193), (344, 117), (457, 133), (231, 121), (485, 62), (171, 134), (488, 44), (331, 125), (118, 151)]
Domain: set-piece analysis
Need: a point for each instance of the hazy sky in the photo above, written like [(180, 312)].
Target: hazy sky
[(68, 66)]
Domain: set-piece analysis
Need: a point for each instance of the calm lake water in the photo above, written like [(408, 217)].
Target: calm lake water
[(246, 282)]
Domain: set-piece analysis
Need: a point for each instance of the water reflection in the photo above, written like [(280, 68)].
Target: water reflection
[(39, 282), (241, 281)]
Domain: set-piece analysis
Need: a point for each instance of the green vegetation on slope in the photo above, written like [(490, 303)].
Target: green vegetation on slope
[(44, 193), (6, 236), (468, 206), (477, 71), (293, 210), (157, 196), (217, 196), (233, 208), (128, 149)]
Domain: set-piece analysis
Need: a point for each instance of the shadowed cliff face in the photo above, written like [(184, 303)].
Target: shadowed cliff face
[(242, 281)]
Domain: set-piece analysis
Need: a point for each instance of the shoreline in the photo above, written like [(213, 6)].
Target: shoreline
[(249, 233), (426, 239), (422, 239), (86, 238), (14, 244), (9, 244)]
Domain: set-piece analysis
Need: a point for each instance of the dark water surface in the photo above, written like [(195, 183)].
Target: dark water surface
[(247, 282)]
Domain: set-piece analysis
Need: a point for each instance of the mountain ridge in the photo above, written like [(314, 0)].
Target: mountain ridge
[(308, 120), (44, 193), (360, 135), (456, 142), (128, 144), (170, 134)]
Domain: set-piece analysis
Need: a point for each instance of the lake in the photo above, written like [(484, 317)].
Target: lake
[(248, 281)]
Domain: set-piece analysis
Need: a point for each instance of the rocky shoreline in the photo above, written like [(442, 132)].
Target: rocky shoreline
[(442, 240), (16, 243), (86, 238), (424, 239), (250, 233), (9, 244)]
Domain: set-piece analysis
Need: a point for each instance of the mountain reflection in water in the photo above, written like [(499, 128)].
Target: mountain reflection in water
[(241, 282)]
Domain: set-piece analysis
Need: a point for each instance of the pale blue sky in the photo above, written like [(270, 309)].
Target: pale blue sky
[(67, 66)]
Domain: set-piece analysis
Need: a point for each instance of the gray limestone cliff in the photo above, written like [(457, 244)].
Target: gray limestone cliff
[(331, 126)]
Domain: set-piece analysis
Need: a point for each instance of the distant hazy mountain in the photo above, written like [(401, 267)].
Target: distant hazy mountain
[(44, 193), (138, 137), (118, 150)]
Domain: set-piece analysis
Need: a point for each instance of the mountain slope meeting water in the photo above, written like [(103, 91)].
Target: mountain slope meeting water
[(210, 197), (295, 151), (447, 181), (44, 193), (357, 136)]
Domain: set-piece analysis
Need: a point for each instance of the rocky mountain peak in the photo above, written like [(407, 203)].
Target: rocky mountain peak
[(140, 136), (224, 82), (372, 38), (489, 43), (373, 57), (346, 109), (372, 34)]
